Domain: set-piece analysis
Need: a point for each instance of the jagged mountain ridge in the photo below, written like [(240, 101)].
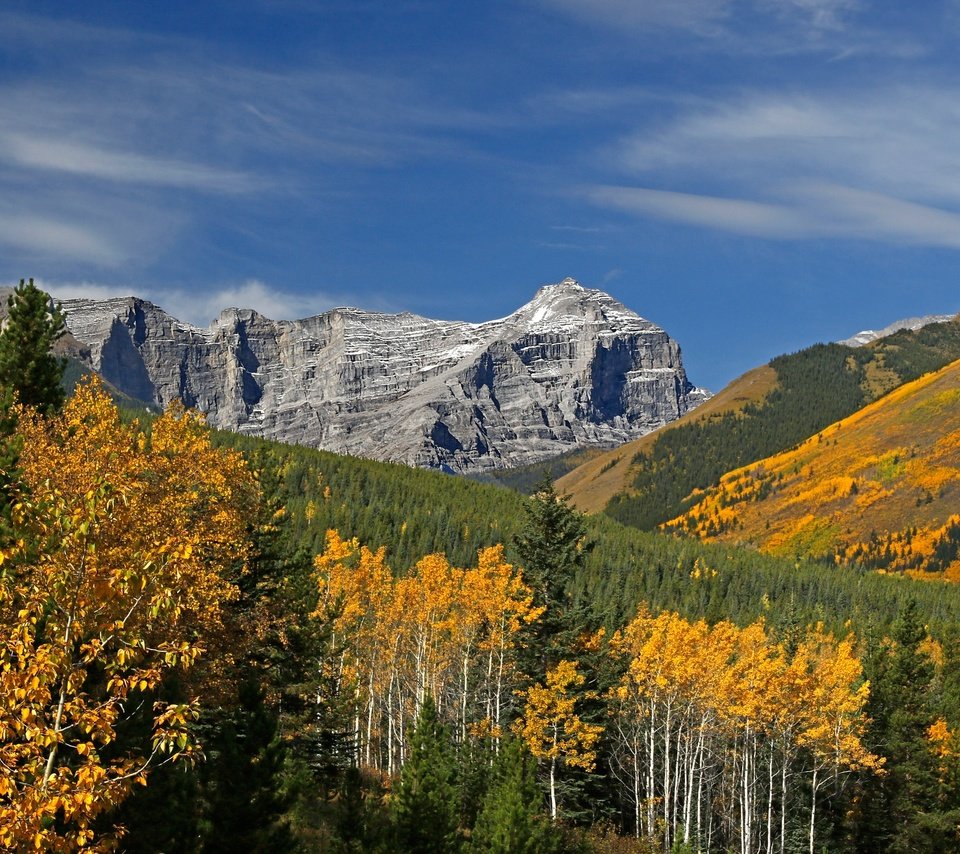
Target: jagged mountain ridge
[(867, 336), (572, 368)]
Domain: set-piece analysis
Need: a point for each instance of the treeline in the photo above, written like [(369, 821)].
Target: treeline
[(712, 735), (815, 387)]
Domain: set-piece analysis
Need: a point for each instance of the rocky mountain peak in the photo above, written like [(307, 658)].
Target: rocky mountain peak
[(571, 368), (569, 304)]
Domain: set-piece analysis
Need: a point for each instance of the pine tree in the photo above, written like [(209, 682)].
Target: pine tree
[(552, 548), (243, 783), (511, 820), (27, 365), (29, 374), (898, 810), (427, 807)]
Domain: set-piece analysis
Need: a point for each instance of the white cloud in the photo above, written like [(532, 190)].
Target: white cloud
[(810, 211), (898, 140), (83, 290), (841, 28), (878, 165), (120, 142), (271, 302), (39, 235), (735, 215), (871, 215), (696, 15), (77, 158), (200, 308)]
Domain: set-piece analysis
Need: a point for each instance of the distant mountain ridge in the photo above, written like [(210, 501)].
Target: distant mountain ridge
[(868, 335), (572, 368)]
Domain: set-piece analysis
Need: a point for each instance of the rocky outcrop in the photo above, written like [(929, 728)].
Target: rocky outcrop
[(572, 368)]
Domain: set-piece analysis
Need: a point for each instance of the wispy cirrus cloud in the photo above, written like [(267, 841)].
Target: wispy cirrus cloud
[(128, 139), (35, 235), (701, 16), (809, 211), (842, 28), (33, 151), (875, 165)]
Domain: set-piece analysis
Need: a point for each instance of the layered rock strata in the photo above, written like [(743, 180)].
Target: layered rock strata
[(572, 368)]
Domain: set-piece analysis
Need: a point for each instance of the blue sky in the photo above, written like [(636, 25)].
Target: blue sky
[(753, 175)]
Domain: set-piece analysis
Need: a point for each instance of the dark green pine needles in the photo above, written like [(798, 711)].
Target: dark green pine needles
[(427, 805), (28, 368)]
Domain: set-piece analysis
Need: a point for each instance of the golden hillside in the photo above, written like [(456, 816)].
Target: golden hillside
[(880, 488), (593, 483)]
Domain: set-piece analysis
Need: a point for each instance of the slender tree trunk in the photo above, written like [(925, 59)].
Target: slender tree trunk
[(667, 802), (464, 690), (489, 702), (813, 807), (678, 764), (636, 789), (390, 726), (783, 799), (770, 800), (553, 790), (651, 769)]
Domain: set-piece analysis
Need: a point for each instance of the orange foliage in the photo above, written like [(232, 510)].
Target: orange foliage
[(442, 630), (114, 581)]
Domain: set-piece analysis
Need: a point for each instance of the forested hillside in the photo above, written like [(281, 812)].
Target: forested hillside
[(880, 488), (413, 512), (814, 388)]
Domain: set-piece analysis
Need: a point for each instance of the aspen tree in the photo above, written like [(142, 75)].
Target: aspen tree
[(115, 579)]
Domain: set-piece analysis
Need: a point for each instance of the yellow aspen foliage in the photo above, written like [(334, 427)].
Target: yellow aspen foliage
[(439, 629), (697, 704), (551, 726), (943, 744), (833, 704), (114, 580)]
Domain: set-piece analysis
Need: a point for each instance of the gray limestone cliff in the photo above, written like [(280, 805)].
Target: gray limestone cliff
[(572, 368)]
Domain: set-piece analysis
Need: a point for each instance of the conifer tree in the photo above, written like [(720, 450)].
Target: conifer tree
[(511, 820), (898, 808), (29, 374), (242, 780), (552, 548), (426, 808), (27, 365)]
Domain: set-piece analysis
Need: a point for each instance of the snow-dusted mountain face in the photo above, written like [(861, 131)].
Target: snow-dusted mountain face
[(868, 335), (572, 368)]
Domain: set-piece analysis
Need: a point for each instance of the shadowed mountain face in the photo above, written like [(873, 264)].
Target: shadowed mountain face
[(572, 368)]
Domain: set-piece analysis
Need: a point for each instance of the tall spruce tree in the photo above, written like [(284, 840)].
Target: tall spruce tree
[(28, 366), (552, 547), (427, 807), (512, 819), (899, 810), (242, 781), (29, 374)]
